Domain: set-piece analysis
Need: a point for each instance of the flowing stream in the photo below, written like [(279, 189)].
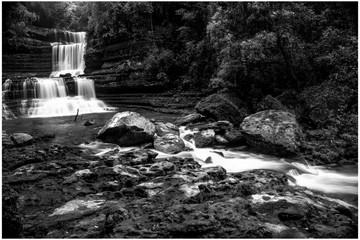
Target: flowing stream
[(313, 177)]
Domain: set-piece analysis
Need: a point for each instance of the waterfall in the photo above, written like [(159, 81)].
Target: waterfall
[(49, 97), (68, 53), (85, 88)]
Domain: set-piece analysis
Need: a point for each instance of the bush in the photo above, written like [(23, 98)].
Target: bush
[(219, 84)]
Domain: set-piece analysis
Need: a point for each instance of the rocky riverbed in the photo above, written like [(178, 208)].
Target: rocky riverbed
[(62, 191)]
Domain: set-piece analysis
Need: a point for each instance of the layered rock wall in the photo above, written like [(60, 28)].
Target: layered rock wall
[(120, 68), (28, 56)]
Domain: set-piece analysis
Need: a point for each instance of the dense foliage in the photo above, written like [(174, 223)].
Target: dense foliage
[(258, 48), (255, 48)]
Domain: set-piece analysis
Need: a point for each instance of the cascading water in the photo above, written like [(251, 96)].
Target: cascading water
[(49, 97), (68, 54), (312, 177), (85, 88)]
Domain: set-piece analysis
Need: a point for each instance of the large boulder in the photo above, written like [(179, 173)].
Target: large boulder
[(169, 143), (224, 106), (127, 129), (272, 132), (21, 138)]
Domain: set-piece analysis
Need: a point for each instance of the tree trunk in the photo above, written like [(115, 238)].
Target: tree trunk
[(288, 61)]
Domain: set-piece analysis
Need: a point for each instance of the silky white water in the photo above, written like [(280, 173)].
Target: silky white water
[(312, 177), (68, 56), (51, 99)]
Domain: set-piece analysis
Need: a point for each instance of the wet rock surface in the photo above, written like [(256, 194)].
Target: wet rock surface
[(204, 138), (169, 143), (63, 192), (162, 129)]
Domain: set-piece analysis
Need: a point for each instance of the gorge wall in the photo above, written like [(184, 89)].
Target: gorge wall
[(28, 56), (120, 68), (119, 74)]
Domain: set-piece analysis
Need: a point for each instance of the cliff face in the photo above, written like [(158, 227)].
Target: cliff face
[(28, 56), (120, 68)]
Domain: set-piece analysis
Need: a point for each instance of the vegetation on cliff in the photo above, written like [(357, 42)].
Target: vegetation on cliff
[(256, 48)]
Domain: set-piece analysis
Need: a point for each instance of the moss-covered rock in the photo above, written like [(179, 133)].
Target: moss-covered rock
[(272, 132)]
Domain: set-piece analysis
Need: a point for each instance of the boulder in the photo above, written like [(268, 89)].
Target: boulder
[(272, 132), (225, 106), (127, 129), (21, 138), (204, 138), (169, 143), (165, 128)]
